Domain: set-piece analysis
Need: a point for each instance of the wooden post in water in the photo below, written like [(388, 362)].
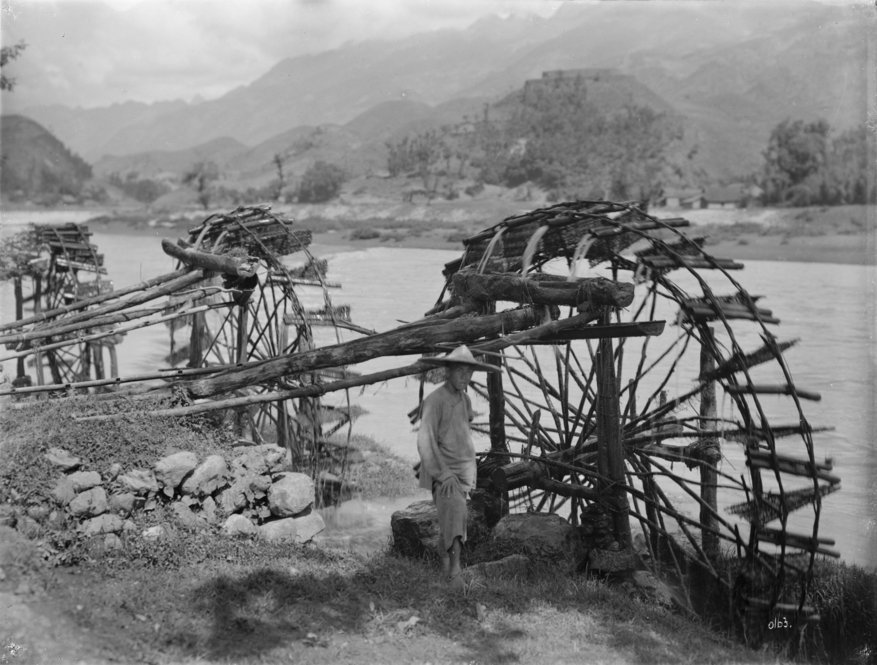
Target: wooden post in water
[(19, 315), (196, 336), (709, 451), (38, 309), (610, 453)]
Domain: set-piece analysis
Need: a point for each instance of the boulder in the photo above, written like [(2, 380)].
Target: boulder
[(292, 493), (308, 526), (112, 542), (243, 491), (282, 529), (7, 515), (172, 469), (238, 525), (89, 503), (267, 458), (28, 527), (122, 503), (106, 523), (84, 480), (542, 537), (208, 477), (208, 509), (139, 481), (38, 511), (63, 492), (186, 517), (154, 533), (295, 529), (60, 458), (113, 471), (415, 528)]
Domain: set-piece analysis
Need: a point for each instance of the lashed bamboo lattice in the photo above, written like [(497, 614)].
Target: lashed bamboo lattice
[(59, 266), (653, 413), (233, 295)]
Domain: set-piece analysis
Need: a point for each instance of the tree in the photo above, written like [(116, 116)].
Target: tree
[(796, 152), (200, 177), (7, 54), (279, 161), (321, 182)]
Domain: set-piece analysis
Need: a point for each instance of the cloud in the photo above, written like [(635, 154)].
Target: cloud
[(97, 52)]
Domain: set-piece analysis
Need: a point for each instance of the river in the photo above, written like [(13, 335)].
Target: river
[(826, 305)]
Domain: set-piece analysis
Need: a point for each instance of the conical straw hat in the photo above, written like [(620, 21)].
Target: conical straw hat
[(460, 356)]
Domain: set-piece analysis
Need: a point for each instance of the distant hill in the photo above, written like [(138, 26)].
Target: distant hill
[(35, 164), (732, 70)]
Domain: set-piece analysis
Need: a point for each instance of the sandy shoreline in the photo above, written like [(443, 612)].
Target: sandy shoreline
[(802, 235)]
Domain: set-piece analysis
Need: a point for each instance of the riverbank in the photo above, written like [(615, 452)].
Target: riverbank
[(841, 235)]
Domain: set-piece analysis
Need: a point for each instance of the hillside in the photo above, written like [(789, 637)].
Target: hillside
[(35, 164), (732, 69)]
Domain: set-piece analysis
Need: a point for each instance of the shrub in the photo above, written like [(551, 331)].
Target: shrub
[(320, 183), (364, 233)]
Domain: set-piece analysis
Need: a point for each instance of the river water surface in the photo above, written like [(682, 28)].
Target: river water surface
[(828, 306)]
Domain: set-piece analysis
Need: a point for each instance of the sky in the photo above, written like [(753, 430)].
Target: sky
[(98, 52)]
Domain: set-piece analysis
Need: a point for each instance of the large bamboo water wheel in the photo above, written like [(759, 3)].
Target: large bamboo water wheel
[(267, 309), (672, 412), (58, 266)]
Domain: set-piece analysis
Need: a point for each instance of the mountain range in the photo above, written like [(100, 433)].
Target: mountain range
[(730, 70)]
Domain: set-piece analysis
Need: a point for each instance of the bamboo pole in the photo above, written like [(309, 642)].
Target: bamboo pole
[(410, 340), (107, 314), (312, 390), (39, 317), (708, 448)]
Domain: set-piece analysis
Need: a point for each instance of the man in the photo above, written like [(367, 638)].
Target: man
[(447, 456)]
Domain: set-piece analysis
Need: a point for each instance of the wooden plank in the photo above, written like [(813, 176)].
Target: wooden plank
[(797, 541), (79, 265), (780, 389), (665, 262), (759, 459)]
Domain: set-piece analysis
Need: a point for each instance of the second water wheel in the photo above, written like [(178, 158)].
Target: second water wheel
[(716, 459)]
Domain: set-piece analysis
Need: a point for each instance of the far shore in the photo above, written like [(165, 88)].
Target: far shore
[(841, 235)]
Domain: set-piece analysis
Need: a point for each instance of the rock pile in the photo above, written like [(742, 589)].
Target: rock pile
[(254, 493)]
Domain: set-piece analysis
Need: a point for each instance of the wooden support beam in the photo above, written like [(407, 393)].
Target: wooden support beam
[(610, 330), (610, 448), (688, 261), (708, 449), (408, 340), (224, 263), (513, 339), (544, 290)]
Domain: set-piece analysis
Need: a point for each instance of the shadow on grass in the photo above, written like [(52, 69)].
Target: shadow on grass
[(264, 609), (235, 618)]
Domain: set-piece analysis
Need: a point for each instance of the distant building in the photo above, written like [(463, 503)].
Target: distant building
[(681, 198), (735, 195)]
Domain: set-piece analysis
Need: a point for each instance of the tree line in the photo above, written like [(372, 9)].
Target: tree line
[(805, 164)]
